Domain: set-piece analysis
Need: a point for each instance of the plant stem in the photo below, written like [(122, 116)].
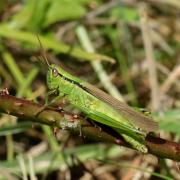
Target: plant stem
[(27, 110)]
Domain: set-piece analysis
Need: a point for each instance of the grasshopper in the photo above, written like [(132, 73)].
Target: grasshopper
[(101, 107)]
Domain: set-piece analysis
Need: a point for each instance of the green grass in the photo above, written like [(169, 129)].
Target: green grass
[(111, 36)]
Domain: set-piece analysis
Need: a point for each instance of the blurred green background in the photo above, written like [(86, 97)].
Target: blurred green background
[(85, 37)]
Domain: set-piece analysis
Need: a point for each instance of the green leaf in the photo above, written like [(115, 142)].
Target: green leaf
[(58, 47), (64, 10), (126, 14), (31, 16), (14, 129), (169, 121)]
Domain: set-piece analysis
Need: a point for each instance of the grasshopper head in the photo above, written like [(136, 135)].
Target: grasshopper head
[(53, 76), (57, 75)]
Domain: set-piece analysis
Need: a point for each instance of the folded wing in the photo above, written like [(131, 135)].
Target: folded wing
[(135, 118)]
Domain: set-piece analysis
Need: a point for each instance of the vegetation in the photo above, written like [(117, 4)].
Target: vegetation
[(127, 48)]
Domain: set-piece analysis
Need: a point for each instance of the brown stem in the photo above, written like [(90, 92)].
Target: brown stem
[(27, 110)]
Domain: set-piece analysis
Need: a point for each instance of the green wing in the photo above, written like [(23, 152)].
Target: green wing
[(134, 117)]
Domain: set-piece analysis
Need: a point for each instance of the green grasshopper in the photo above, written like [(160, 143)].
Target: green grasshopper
[(132, 125)]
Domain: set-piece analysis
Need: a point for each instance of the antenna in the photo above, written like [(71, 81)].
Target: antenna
[(43, 51)]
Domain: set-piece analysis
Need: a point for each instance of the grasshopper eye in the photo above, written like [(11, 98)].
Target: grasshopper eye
[(55, 72)]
